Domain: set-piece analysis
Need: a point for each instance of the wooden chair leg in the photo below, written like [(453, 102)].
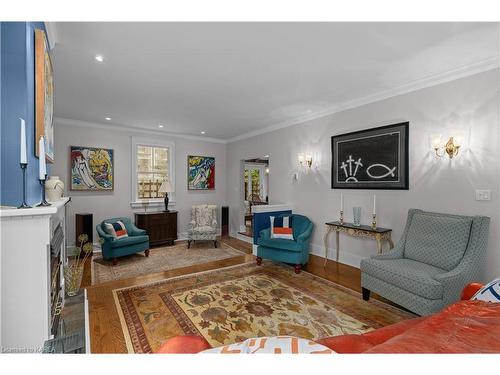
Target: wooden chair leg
[(259, 261), (215, 243), (366, 294), (146, 252), (189, 244), (298, 267), (115, 261)]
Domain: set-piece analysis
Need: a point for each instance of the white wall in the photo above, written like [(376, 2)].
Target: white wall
[(117, 203), (470, 104)]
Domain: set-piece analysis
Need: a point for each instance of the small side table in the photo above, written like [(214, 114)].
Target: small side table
[(378, 234)]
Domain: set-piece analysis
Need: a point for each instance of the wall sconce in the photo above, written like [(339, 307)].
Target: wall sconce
[(451, 147), (305, 159)]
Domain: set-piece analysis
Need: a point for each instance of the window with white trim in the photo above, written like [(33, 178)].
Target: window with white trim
[(154, 163), (152, 170)]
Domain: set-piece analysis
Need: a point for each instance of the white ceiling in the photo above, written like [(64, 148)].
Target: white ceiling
[(229, 79)]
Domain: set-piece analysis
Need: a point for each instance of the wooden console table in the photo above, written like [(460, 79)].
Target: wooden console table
[(378, 234), (161, 226)]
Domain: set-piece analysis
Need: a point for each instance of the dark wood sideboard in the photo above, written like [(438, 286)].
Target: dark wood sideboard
[(161, 226)]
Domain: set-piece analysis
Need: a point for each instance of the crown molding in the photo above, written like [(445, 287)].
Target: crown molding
[(451, 75), (133, 129), (433, 80)]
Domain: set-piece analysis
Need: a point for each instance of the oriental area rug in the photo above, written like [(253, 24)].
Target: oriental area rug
[(232, 304), (160, 259)]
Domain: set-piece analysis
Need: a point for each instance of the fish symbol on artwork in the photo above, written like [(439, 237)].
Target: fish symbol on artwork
[(350, 164)]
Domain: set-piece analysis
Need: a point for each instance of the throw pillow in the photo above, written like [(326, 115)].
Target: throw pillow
[(116, 229), (281, 227), (489, 293), (272, 345)]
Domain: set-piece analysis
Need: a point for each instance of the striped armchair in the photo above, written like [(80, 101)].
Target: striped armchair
[(438, 255)]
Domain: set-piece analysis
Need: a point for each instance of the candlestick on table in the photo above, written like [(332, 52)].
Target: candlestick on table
[(43, 203), (41, 160), (23, 156), (374, 204), (24, 204)]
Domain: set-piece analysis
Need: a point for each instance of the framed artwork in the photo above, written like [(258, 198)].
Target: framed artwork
[(91, 168), (201, 172), (44, 96), (375, 158)]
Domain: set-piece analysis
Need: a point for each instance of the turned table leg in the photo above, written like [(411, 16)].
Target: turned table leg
[(337, 244), (391, 244), (379, 244), (325, 240)]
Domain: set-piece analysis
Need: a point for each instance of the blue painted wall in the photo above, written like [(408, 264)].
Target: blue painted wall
[(18, 100)]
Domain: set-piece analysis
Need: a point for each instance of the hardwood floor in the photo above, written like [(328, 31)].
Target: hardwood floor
[(105, 329)]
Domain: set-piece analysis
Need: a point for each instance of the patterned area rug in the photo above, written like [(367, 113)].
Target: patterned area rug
[(233, 304), (160, 259)]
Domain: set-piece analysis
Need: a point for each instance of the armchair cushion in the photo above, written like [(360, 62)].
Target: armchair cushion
[(439, 241), (410, 275), (282, 244), (127, 241), (200, 230)]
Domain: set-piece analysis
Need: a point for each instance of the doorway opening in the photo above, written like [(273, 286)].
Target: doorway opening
[(255, 184)]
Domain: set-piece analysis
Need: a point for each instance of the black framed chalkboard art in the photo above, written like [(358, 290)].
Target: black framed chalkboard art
[(374, 158)]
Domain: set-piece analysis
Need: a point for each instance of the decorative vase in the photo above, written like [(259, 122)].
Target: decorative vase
[(72, 279), (54, 188), (356, 213)]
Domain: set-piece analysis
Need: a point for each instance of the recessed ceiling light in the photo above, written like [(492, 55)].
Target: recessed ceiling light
[(99, 58), (202, 132), (266, 156), (108, 118), (160, 126)]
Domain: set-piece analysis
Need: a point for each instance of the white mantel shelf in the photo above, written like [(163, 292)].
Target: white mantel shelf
[(35, 211)]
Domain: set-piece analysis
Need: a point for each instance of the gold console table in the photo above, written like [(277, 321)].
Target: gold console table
[(378, 234)]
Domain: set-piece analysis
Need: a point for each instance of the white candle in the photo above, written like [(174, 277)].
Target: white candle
[(41, 159), (24, 158), (374, 204), (341, 202)]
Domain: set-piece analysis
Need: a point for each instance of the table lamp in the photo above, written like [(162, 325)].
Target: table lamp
[(166, 188)]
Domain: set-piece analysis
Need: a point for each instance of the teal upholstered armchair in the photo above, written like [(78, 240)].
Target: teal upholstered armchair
[(438, 255), (112, 248), (287, 251)]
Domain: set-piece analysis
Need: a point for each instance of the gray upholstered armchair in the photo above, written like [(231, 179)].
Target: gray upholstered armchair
[(203, 224), (438, 255)]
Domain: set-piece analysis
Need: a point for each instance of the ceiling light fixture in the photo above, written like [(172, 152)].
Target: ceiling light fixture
[(202, 132), (108, 118), (160, 126), (99, 58)]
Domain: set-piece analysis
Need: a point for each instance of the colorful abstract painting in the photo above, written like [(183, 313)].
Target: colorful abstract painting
[(201, 173), (91, 168), (44, 96)]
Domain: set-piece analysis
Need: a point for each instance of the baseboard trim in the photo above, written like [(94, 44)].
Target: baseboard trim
[(345, 257)]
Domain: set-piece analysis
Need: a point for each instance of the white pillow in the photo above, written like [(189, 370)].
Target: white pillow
[(490, 292)]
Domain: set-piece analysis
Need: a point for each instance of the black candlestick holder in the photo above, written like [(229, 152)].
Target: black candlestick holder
[(23, 168), (43, 203)]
